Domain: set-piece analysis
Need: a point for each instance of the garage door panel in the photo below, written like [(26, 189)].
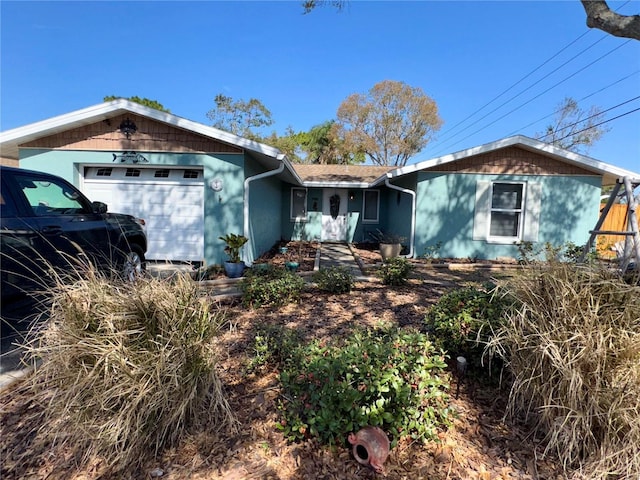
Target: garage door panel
[(173, 210)]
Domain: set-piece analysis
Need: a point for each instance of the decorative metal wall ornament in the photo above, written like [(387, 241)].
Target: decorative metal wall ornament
[(132, 157), (128, 128)]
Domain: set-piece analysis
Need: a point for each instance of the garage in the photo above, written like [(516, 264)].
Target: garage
[(170, 200)]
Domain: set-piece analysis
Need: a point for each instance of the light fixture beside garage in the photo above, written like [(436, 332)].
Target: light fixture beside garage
[(216, 184), (128, 128)]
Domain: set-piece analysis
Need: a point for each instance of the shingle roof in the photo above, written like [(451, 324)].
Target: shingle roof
[(340, 173)]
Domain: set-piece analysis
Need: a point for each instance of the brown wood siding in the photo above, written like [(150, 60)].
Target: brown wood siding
[(616, 220), (150, 136), (9, 162), (513, 161)]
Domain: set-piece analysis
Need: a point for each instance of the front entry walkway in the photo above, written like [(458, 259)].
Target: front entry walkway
[(338, 255)]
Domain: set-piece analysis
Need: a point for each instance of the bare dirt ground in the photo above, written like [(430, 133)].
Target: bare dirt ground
[(478, 445)]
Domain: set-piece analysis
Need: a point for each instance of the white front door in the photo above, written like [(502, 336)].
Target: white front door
[(334, 215)]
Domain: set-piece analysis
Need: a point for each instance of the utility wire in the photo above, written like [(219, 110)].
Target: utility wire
[(525, 90), (528, 75), (590, 117), (598, 124), (581, 100), (521, 80), (542, 93)]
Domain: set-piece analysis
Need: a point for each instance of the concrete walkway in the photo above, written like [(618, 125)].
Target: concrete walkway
[(339, 255)]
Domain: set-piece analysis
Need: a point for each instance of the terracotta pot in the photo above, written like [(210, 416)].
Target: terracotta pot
[(370, 447)]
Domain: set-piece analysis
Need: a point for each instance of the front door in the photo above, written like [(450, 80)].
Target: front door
[(334, 215)]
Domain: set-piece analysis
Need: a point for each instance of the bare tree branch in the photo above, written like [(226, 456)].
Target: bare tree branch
[(600, 16)]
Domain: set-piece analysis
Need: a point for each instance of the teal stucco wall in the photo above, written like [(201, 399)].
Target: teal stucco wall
[(446, 205), (265, 207)]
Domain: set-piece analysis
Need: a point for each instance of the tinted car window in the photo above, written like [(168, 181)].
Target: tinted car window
[(48, 197)]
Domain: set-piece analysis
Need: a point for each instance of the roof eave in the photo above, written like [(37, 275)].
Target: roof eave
[(608, 171), (11, 138)]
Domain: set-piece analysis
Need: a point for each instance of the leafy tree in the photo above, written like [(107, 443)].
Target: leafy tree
[(142, 101), (240, 117), (391, 123), (323, 145), (574, 128), (599, 16), (289, 144)]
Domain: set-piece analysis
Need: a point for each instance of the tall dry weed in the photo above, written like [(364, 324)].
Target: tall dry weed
[(126, 368), (574, 351)]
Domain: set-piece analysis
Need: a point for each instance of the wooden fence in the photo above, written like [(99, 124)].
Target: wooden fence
[(617, 221)]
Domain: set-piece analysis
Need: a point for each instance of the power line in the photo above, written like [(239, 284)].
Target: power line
[(521, 129), (524, 78), (598, 124), (542, 93), (526, 89), (590, 117)]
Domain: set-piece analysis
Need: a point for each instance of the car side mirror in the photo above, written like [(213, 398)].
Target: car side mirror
[(99, 207)]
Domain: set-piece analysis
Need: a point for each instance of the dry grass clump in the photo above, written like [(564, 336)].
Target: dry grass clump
[(574, 351), (128, 367)]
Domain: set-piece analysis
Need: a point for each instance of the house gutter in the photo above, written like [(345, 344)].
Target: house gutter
[(245, 207), (413, 211)]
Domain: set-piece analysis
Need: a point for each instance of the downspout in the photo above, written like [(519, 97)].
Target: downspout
[(245, 206), (413, 212)]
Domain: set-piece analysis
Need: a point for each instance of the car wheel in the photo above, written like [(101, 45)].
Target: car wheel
[(134, 265)]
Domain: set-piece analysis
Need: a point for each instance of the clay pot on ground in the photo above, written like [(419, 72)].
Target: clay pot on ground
[(370, 447)]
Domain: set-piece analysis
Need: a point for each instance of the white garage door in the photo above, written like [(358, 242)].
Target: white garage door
[(170, 200)]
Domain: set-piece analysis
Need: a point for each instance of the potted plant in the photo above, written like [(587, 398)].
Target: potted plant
[(390, 244), (235, 266)]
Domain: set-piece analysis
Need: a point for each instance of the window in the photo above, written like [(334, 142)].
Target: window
[(104, 172), (132, 172), (370, 206), (47, 197), (298, 204), (190, 174), (161, 173), (507, 212)]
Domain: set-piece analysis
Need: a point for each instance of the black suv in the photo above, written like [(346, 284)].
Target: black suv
[(47, 224)]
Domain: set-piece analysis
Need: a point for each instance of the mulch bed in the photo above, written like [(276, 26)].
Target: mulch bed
[(478, 445)]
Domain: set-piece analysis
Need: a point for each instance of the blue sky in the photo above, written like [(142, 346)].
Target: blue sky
[(482, 62)]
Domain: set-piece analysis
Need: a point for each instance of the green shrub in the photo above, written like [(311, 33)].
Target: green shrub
[(271, 286), (334, 279), (391, 379), (463, 319), (395, 271), (272, 345), (127, 368)]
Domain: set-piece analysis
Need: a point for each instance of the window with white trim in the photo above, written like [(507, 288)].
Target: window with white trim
[(298, 204), (507, 212), (370, 206)]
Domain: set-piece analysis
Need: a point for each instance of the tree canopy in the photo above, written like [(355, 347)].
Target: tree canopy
[(240, 117), (142, 101), (390, 123), (573, 128)]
